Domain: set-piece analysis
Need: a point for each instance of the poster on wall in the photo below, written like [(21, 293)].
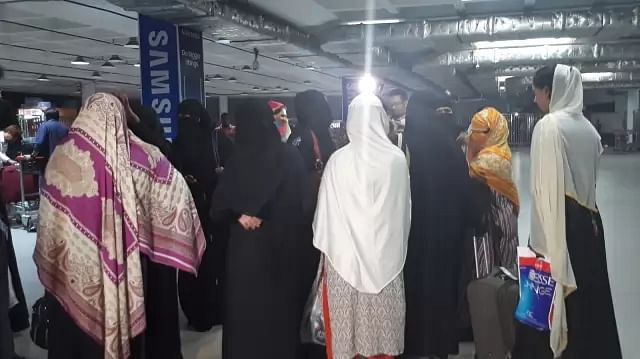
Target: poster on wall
[(171, 68)]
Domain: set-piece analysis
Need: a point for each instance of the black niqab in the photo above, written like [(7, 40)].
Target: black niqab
[(253, 173), (313, 113), (193, 147)]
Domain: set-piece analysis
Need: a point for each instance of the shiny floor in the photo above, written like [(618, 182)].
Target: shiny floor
[(618, 199)]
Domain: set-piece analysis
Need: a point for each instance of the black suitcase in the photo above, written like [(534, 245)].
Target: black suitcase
[(492, 303)]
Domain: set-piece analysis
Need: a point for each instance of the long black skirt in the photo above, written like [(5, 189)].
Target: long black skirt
[(591, 320)]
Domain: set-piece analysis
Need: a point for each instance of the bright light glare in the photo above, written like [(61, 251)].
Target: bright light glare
[(367, 84), (373, 22), (541, 41), (502, 79), (597, 76)]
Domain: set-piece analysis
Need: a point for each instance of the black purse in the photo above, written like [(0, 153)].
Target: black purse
[(39, 332)]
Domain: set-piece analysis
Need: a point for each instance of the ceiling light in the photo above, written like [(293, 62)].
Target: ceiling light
[(244, 94), (233, 79), (96, 75), (115, 59), (107, 65), (367, 84), (597, 76), (137, 64), (307, 82), (217, 77), (286, 89), (278, 88), (43, 78), (373, 22), (132, 43), (447, 92), (206, 79), (310, 67), (246, 68), (79, 61), (256, 88), (540, 41), (502, 79), (223, 41)]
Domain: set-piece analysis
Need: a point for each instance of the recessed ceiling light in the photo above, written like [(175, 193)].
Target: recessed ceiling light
[(80, 61), (310, 67), (132, 43), (223, 41), (43, 78), (206, 79), (233, 79), (217, 77), (256, 88), (96, 75), (246, 68), (107, 65), (244, 94), (286, 89), (115, 59)]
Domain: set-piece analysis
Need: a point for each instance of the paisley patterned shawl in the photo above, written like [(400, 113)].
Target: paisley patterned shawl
[(492, 164), (109, 197)]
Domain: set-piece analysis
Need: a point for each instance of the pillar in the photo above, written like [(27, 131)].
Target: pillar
[(223, 104), (633, 104), (88, 90)]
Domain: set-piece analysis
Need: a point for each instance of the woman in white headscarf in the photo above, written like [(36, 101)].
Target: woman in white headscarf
[(566, 226), (361, 226)]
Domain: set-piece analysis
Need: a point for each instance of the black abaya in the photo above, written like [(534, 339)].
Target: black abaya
[(439, 181), (6, 334), (267, 269), (591, 319)]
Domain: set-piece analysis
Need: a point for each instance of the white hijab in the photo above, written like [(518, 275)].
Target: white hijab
[(363, 216), (565, 152)]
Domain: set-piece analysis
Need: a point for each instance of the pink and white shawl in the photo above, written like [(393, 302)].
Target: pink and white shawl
[(109, 197)]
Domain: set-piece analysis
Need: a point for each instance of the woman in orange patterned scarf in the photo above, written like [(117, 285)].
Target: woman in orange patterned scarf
[(495, 196)]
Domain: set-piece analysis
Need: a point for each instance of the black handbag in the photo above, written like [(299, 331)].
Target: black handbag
[(39, 332)]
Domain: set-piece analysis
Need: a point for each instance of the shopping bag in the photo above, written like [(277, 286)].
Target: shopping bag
[(537, 290), (312, 328)]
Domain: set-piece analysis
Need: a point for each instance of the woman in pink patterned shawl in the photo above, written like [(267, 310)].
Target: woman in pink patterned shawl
[(108, 198)]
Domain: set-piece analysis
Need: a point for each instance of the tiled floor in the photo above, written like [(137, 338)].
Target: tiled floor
[(619, 201)]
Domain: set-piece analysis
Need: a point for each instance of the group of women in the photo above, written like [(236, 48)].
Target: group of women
[(249, 222)]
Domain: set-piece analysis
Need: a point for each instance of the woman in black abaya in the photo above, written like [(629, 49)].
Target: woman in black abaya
[(439, 181), (196, 160), (261, 196)]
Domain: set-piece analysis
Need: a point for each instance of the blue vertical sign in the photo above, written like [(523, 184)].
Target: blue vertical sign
[(171, 69), (191, 63)]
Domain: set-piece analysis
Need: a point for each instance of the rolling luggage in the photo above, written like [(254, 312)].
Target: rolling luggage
[(492, 303)]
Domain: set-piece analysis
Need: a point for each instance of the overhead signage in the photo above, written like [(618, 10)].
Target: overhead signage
[(171, 68)]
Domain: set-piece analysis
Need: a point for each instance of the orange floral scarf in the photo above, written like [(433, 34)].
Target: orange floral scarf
[(492, 164)]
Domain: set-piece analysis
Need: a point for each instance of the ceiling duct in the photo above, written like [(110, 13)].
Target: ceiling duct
[(606, 23), (605, 66)]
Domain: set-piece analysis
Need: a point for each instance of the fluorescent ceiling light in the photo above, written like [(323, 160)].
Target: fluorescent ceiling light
[(96, 75), (244, 94), (137, 64), (540, 41), (256, 88), (223, 41), (502, 79), (107, 65), (233, 79), (43, 78), (597, 76), (80, 61), (132, 43), (286, 89), (373, 22)]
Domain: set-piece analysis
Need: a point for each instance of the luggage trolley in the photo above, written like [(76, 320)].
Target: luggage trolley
[(27, 209)]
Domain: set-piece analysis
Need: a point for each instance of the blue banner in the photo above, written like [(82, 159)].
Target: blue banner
[(191, 65), (171, 69)]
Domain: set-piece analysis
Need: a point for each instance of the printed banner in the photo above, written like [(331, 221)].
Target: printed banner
[(171, 68)]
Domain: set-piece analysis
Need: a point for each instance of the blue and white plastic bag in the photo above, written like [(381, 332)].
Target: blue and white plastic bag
[(537, 290)]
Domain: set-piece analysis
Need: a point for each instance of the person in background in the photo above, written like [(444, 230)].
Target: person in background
[(280, 119), (261, 198), (311, 134), (226, 126), (109, 198), (194, 152), (361, 226), (49, 134), (439, 196), (495, 204), (14, 314), (566, 226), (11, 134), (397, 103)]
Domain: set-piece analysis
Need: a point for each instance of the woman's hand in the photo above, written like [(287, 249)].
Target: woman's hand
[(249, 223)]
